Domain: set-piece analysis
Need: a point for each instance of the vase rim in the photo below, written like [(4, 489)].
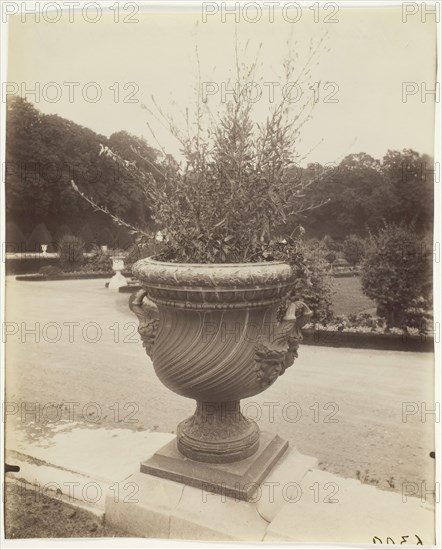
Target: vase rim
[(153, 259), (211, 286)]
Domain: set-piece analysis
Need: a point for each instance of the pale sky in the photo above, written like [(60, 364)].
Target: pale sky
[(372, 53)]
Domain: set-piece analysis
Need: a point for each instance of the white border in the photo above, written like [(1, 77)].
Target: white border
[(192, 6)]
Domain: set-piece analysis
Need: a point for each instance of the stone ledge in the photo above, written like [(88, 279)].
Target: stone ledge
[(360, 513), (296, 510), (145, 506), (82, 465)]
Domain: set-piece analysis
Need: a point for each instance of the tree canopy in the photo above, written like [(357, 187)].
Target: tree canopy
[(44, 152), (364, 192)]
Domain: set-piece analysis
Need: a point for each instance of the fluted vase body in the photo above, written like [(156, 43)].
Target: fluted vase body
[(214, 335)]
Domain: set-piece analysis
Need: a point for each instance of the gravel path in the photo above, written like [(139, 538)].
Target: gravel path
[(343, 406)]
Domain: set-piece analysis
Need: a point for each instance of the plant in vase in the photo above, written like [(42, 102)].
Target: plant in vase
[(220, 310)]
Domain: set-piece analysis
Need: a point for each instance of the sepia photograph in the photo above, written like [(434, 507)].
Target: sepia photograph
[(220, 295)]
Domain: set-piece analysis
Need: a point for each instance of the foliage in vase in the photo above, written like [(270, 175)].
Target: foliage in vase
[(235, 196)]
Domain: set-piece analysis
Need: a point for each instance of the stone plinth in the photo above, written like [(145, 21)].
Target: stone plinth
[(239, 480), (185, 499)]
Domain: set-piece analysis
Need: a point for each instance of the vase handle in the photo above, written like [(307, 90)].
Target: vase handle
[(275, 354), (148, 316)]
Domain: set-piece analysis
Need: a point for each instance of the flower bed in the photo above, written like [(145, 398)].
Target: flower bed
[(368, 340), (366, 331)]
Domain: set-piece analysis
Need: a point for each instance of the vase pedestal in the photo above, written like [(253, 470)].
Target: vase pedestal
[(218, 433), (239, 480)]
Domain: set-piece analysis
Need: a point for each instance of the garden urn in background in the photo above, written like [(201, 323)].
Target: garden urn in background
[(118, 280)]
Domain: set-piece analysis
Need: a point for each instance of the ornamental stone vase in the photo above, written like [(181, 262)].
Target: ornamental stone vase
[(118, 280), (215, 334)]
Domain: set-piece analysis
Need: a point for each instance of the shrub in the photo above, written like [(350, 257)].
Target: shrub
[(317, 289), (98, 263), (353, 249), (331, 256), (95, 250), (313, 285), (61, 231), (70, 250), (397, 274)]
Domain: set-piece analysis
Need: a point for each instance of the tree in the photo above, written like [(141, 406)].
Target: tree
[(45, 152), (356, 192), (354, 249), (364, 192), (409, 177)]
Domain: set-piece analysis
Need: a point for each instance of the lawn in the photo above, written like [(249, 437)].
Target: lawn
[(348, 296)]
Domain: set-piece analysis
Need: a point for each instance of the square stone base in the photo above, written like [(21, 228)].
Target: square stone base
[(154, 507), (296, 503), (239, 480)]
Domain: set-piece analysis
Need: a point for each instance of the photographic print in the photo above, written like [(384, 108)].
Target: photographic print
[(221, 249)]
